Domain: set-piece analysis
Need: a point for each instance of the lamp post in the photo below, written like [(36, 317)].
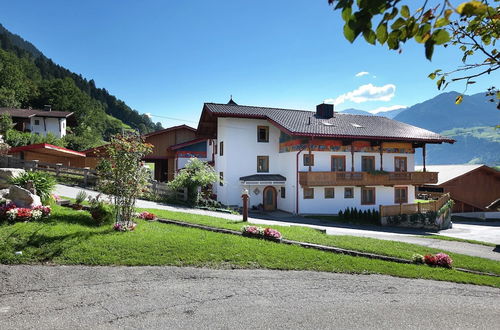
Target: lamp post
[(244, 197)]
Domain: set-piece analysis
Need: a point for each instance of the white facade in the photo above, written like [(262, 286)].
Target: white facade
[(44, 125), (239, 159)]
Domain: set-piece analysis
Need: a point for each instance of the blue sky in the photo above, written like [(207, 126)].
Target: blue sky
[(169, 57)]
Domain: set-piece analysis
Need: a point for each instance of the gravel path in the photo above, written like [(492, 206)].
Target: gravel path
[(68, 297), (491, 231)]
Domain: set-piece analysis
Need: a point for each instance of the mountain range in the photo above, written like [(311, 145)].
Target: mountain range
[(471, 123)]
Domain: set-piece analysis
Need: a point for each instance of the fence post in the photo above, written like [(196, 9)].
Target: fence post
[(155, 187), (58, 169), (380, 211), (185, 194), (34, 165), (85, 176), (419, 208), (400, 208)]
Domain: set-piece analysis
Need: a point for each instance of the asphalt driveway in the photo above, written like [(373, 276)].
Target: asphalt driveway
[(70, 297)]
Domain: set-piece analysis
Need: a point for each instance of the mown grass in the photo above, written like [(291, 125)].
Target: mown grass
[(70, 237), (449, 238), (364, 244)]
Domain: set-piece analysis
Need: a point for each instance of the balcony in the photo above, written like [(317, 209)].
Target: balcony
[(316, 179)]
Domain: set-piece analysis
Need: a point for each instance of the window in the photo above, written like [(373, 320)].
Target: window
[(262, 163), (308, 160), (367, 196), (400, 195), (283, 192), (367, 163), (400, 164), (37, 121), (329, 192), (349, 192), (308, 193), (338, 163), (221, 177), (262, 133), (221, 148)]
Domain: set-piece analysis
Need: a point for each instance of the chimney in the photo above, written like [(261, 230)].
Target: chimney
[(324, 111), (47, 107)]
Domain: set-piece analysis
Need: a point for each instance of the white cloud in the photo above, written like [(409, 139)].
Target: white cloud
[(361, 74), (389, 108), (366, 93)]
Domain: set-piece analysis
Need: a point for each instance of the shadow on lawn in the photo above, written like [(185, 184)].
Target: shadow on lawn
[(70, 216)]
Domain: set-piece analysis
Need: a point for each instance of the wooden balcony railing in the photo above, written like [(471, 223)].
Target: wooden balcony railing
[(315, 179)]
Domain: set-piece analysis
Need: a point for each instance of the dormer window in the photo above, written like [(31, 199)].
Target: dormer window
[(262, 133)]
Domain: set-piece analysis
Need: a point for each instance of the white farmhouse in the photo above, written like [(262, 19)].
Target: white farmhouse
[(308, 162), (39, 122)]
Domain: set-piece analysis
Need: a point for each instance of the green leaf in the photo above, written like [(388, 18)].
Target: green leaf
[(393, 39), (440, 36), (398, 23), (346, 14), (370, 36), (440, 82), (498, 95), (349, 33), (432, 75), (459, 99), (405, 11), (472, 8), (429, 49), (382, 33), (441, 22)]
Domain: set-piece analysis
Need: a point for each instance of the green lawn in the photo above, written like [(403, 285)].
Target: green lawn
[(448, 238), (364, 244), (69, 237)]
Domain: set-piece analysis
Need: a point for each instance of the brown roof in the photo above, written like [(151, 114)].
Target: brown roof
[(28, 113), (305, 123), (173, 128)]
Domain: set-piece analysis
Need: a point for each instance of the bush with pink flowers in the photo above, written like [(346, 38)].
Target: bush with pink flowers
[(147, 216), (12, 213), (255, 231), (439, 259)]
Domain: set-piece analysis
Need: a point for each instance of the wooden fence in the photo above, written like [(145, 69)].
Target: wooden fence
[(87, 175), (390, 210)]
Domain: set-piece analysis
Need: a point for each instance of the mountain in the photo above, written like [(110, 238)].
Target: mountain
[(391, 113), (441, 113), (471, 124), (356, 112), (30, 79)]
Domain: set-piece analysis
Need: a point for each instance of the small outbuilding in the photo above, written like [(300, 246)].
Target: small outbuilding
[(48, 153), (472, 187)]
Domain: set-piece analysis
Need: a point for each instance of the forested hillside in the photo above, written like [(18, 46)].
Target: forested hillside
[(29, 79)]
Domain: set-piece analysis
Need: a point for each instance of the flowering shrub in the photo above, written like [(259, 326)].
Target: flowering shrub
[(147, 216), (13, 213), (122, 227), (261, 232), (440, 259), (273, 233)]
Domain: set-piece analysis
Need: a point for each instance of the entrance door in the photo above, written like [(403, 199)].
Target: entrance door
[(269, 199)]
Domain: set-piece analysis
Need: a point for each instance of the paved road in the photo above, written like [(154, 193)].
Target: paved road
[(68, 297), (476, 231)]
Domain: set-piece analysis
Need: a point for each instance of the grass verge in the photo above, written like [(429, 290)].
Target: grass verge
[(70, 237), (449, 238), (364, 244)]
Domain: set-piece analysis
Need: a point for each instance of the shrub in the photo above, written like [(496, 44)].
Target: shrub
[(147, 216), (80, 197), (43, 183), (417, 258), (440, 259), (101, 212), (261, 232)]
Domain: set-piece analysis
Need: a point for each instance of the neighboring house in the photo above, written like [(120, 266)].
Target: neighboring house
[(39, 121), (198, 148), (313, 162), (162, 157), (48, 153), (472, 187)]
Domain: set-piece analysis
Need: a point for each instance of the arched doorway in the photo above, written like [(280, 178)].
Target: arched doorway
[(269, 196)]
